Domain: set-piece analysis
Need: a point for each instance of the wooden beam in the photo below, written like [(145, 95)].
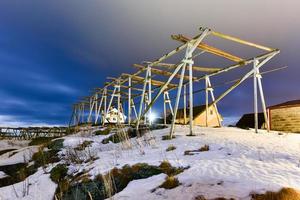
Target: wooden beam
[(208, 48), (124, 86), (242, 64), (161, 72), (234, 39), (153, 82), (195, 68)]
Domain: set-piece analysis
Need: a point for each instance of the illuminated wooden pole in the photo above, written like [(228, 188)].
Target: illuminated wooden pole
[(118, 101), (210, 89), (149, 96), (129, 100), (142, 99), (96, 105), (255, 95), (206, 101), (165, 110), (177, 100), (105, 105), (168, 100), (184, 104), (266, 116), (99, 108)]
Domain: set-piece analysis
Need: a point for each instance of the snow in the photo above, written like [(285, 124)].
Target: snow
[(22, 155), (238, 163), (142, 188), (13, 144), (2, 174), (39, 185)]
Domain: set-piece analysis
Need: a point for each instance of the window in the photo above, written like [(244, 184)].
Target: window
[(211, 112)]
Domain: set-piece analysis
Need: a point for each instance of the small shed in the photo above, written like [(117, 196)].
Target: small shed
[(214, 119), (247, 121), (112, 116), (285, 116)]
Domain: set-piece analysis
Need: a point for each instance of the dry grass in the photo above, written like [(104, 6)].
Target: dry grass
[(170, 183), (201, 197), (193, 152), (171, 148), (283, 194)]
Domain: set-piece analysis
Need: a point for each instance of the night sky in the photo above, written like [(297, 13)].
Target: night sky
[(54, 52)]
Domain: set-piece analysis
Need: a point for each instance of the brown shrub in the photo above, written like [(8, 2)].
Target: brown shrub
[(204, 148), (192, 152), (283, 194), (201, 197), (170, 183), (171, 148)]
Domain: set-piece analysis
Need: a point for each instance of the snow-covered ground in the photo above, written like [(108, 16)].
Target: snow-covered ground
[(36, 187), (238, 162)]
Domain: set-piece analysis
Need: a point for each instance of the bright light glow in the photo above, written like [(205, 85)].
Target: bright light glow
[(152, 117)]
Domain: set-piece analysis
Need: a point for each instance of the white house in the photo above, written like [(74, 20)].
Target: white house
[(112, 116)]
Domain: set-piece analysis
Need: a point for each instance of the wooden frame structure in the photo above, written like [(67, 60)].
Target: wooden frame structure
[(144, 86)]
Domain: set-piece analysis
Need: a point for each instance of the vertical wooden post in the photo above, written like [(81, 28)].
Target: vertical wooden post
[(99, 108), (105, 106), (134, 109), (118, 101), (129, 100), (177, 100), (184, 104), (191, 117), (262, 97), (96, 105), (142, 100), (206, 101), (255, 63), (165, 110), (210, 89), (149, 96)]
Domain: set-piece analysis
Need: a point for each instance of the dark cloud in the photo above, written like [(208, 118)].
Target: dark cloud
[(52, 52)]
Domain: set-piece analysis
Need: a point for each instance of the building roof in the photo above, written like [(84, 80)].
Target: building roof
[(287, 104), (247, 121)]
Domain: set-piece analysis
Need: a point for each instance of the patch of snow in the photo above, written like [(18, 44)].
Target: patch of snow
[(13, 144), (21, 156), (2, 175), (39, 185), (141, 189)]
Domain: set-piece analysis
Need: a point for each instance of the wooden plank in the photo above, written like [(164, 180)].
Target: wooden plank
[(195, 68), (126, 87), (238, 40), (153, 82), (208, 48), (161, 72)]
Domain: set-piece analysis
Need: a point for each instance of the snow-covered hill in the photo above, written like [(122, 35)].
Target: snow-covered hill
[(234, 164)]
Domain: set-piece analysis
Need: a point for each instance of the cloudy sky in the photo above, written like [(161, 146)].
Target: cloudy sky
[(53, 52)]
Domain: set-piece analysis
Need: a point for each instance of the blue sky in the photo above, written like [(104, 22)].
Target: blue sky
[(53, 52)]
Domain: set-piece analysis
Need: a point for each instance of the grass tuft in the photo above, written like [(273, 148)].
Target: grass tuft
[(58, 173), (170, 183), (283, 194), (167, 137), (102, 132), (193, 152), (40, 140), (83, 145), (171, 148)]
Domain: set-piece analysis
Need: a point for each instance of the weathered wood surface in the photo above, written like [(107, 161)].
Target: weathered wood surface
[(285, 119)]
